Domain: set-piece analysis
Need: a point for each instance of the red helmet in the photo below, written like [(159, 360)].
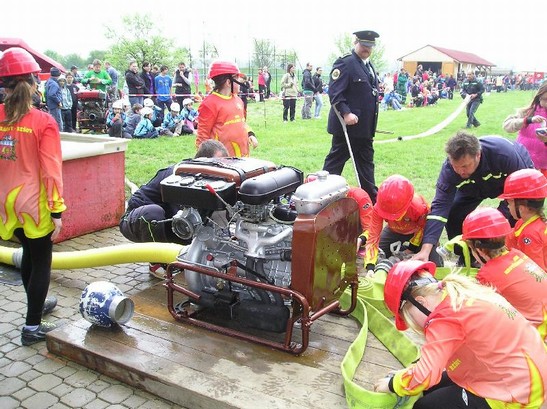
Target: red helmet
[(17, 61), (222, 67), (485, 223), (365, 204), (396, 282), (525, 184), (394, 197)]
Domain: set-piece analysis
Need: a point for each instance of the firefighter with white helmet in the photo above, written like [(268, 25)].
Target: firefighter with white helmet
[(172, 121), (190, 117), (221, 114), (157, 114), (145, 129), (116, 121)]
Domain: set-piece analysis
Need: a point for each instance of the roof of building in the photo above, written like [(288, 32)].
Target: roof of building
[(43, 60), (460, 56)]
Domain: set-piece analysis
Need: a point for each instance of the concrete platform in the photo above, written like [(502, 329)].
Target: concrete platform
[(196, 368)]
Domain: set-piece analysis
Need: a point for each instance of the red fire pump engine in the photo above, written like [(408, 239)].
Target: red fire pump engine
[(268, 253), (92, 110)]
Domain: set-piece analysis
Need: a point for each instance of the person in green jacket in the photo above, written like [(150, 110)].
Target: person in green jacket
[(97, 78)]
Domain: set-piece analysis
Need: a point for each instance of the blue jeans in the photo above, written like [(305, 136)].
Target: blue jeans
[(308, 101), (136, 100), (318, 98), (471, 109), (56, 114)]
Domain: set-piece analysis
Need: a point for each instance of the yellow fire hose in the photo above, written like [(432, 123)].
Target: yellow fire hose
[(370, 311), (373, 315), (121, 254)]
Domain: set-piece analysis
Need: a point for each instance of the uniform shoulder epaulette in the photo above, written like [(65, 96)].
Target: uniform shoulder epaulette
[(345, 55)]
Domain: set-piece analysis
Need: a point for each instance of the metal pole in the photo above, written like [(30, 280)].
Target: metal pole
[(345, 129)]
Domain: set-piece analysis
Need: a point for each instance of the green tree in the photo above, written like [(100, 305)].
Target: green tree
[(55, 56), (96, 55), (207, 53), (74, 59), (344, 45), (284, 58), (140, 39), (264, 54)]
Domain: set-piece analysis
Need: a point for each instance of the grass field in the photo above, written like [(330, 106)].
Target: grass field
[(304, 144)]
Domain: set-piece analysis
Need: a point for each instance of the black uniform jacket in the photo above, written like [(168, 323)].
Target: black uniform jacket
[(353, 88)]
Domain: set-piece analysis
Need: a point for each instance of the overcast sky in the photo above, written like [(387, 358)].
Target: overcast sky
[(510, 35)]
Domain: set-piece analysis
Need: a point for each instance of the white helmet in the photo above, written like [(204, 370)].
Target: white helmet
[(118, 104), (148, 102), (187, 101), (146, 111), (175, 106)]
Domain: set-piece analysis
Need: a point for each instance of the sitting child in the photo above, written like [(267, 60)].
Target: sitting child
[(133, 119), (189, 115), (157, 114), (172, 122), (116, 121), (145, 128), (525, 191), (511, 272)]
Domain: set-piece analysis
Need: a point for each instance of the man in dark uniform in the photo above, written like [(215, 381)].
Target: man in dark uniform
[(146, 204), (353, 94), (474, 170), (474, 88)]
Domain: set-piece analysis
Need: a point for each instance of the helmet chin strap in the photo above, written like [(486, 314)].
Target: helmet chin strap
[(417, 283), (232, 80), (237, 81)]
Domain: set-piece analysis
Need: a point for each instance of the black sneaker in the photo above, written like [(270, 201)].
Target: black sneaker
[(31, 337), (49, 304)]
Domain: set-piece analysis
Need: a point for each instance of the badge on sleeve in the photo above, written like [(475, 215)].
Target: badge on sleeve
[(335, 74)]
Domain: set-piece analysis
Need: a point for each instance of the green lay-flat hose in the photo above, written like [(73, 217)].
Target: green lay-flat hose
[(373, 315)]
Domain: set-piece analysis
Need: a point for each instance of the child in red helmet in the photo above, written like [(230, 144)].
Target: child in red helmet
[(405, 213), (511, 272), (222, 115), (479, 352), (525, 191)]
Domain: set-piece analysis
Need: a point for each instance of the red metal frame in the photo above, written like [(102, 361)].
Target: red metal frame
[(323, 266), (305, 315)]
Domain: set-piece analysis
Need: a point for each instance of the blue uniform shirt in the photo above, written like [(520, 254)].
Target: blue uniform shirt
[(499, 158)]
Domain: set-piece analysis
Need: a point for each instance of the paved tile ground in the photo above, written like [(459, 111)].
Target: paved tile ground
[(32, 378)]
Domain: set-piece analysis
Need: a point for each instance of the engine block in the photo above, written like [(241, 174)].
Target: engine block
[(256, 229)]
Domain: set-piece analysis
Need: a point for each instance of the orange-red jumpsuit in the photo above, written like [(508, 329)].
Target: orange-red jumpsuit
[(521, 282), (487, 349), (222, 118), (30, 171), (530, 237), (412, 222)]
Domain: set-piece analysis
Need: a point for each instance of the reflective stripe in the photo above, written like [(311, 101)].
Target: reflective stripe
[(438, 218), (494, 176), (465, 182)]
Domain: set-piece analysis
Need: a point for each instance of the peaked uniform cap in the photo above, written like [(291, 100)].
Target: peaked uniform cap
[(367, 37)]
